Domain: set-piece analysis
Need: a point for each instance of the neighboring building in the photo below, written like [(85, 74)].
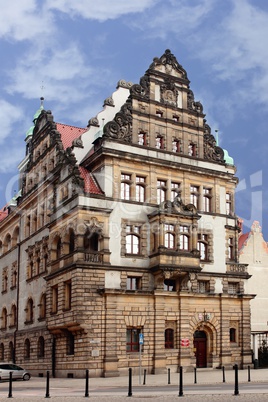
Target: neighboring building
[(125, 230), (253, 251)]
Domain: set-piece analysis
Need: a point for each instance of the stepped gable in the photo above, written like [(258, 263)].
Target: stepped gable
[(171, 79)]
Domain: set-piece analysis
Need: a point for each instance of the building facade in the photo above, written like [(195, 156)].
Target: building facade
[(253, 251), (122, 228)]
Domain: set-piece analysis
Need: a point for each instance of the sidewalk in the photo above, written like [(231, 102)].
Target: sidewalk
[(104, 389)]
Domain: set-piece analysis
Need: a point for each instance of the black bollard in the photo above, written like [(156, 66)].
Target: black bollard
[(223, 374), (168, 376), (195, 380), (144, 377), (10, 385), (47, 386), (236, 391), (86, 390), (181, 383), (129, 382), (248, 373)]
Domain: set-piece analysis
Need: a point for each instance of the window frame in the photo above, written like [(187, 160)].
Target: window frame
[(133, 345), (169, 338)]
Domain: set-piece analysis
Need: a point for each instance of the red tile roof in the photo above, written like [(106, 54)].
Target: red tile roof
[(69, 133), (242, 240), (91, 186), (3, 213)]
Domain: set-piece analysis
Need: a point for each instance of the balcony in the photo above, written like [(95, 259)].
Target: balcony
[(237, 269), (95, 257), (185, 260)]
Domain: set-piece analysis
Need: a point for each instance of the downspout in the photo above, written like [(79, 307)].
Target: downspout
[(18, 293)]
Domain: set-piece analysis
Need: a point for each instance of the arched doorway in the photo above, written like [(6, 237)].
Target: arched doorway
[(200, 345)]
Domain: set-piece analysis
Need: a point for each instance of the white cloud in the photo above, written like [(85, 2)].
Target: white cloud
[(99, 10), (24, 20), (62, 71), (9, 115), (174, 16)]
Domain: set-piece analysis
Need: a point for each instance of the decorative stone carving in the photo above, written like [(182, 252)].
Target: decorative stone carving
[(170, 62), (78, 143), (177, 207), (120, 127), (211, 150), (192, 105), (124, 84), (142, 89), (169, 94), (93, 122), (108, 102)]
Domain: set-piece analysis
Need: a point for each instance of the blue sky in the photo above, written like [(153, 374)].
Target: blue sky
[(74, 52)]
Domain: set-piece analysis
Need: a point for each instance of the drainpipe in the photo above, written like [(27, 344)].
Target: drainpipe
[(18, 293)]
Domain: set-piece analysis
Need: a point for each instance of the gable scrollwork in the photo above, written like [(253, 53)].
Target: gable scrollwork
[(170, 62), (212, 151), (142, 89), (120, 128)]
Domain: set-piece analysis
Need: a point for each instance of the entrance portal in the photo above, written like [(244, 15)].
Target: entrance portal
[(200, 345)]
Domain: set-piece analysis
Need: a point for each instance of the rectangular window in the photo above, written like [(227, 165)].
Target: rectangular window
[(176, 146), (194, 196), (125, 186), (133, 239), (67, 295), (142, 138), (228, 203), (203, 286), (169, 236), (54, 306), (133, 283), (231, 248), (174, 190), (207, 199), (233, 288), (140, 188), (132, 344), (184, 237), (161, 191), (159, 142), (70, 344)]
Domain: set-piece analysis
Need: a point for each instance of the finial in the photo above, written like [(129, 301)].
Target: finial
[(217, 136), (42, 101)]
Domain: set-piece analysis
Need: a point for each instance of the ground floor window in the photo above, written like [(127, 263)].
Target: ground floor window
[(169, 338), (133, 339)]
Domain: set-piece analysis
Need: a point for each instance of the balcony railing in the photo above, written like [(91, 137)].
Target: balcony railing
[(94, 257)]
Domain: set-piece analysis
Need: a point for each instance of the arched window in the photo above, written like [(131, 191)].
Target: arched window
[(169, 338), (42, 307), (202, 246), (132, 239), (184, 237), (2, 352), (4, 318), (11, 352), (91, 241), (29, 311), (15, 237), (58, 249), (71, 241), (41, 347), (13, 316), (7, 242), (27, 349), (169, 236), (232, 335)]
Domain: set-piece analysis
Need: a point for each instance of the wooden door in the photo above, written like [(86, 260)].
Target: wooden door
[(200, 345)]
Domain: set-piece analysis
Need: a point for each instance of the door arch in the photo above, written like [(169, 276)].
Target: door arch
[(200, 345)]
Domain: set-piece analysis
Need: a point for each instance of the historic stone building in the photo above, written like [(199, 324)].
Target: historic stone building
[(253, 251), (125, 227)]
